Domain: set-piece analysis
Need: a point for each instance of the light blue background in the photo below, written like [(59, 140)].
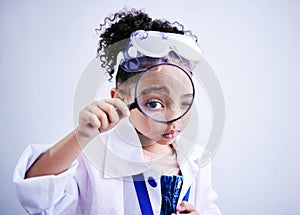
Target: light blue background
[(253, 46)]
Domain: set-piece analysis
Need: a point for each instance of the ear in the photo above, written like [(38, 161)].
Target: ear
[(115, 93)]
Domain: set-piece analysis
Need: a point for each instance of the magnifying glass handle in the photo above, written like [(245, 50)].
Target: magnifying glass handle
[(132, 106)]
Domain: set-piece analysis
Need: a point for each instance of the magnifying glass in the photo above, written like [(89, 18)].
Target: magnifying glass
[(164, 93)]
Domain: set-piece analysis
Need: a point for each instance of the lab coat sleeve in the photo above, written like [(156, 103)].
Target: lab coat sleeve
[(50, 194), (205, 196)]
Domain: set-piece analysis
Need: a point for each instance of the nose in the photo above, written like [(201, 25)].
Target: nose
[(175, 125)]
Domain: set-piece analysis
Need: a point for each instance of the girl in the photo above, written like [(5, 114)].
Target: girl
[(152, 177)]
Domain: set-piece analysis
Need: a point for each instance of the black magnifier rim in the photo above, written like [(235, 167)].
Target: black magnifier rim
[(135, 104)]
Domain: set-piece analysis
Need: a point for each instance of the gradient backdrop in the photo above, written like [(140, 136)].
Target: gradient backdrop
[(253, 47)]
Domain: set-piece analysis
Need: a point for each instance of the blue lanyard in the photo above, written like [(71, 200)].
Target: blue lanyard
[(143, 196), (187, 195)]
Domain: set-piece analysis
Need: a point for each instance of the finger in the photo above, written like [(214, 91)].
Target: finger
[(191, 213), (120, 106), (185, 207), (99, 107), (87, 117), (99, 114), (102, 116)]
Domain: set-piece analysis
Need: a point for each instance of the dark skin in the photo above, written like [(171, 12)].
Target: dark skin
[(102, 115), (186, 208)]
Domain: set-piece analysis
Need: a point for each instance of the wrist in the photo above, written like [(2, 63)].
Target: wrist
[(82, 138)]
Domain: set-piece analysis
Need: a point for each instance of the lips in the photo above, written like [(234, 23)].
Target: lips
[(171, 134)]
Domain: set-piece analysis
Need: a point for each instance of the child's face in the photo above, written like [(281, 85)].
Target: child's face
[(155, 132)]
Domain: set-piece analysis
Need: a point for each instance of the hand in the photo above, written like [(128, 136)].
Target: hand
[(101, 116), (186, 208)]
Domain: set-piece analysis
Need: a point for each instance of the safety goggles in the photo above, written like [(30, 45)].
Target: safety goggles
[(147, 48)]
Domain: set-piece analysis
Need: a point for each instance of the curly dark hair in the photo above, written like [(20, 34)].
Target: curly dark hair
[(119, 26)]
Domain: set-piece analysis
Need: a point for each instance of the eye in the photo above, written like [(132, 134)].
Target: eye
[(154, 105), (186, 105)]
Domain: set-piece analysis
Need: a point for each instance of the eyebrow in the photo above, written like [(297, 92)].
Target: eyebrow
[(155, 89), (164, 90), (189, 95)]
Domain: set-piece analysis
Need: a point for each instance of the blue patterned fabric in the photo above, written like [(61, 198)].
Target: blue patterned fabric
[(170, 190)]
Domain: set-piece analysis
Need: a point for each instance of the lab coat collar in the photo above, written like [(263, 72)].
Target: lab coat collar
[(188, 156), (124, 155)]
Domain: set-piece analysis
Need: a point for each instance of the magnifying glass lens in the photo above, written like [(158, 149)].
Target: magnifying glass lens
[(164, 93)]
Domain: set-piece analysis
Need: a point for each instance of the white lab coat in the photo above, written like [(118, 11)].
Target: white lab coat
[(102, 183)]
